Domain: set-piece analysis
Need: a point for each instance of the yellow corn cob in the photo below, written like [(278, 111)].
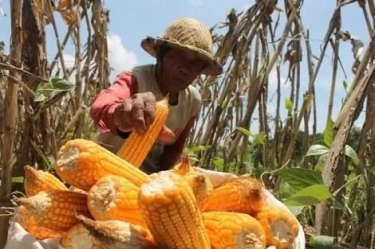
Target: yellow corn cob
[(234, 230), (115, 198), (171, 212), (82, 162), (243, 195), (39, 180), (199, 182), (78, 237), (136, 146), (118, 234), (55, 209), (28, 222), (281, 227)]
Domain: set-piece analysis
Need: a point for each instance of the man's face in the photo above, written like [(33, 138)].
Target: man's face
[(180, 69)]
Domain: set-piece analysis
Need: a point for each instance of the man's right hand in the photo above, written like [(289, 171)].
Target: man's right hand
[(136, 112)]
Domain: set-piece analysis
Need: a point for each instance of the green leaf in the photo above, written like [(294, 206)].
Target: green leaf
[(337, 205), (321, 162), (352, 180), (43, 91), (317, 150), (218, 162), (198, 148), (17, 179), (54, 86), (323, 242), (244, 131), (39, 97), (296, 210), (288, 104), (328, 133), (259, 139), (299, 178), (62, 84), (350, 152), (309, 196)]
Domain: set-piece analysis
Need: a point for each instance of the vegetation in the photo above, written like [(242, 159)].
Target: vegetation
[(327, 177)]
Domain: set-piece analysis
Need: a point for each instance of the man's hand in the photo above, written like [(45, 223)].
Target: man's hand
[(136, 112)]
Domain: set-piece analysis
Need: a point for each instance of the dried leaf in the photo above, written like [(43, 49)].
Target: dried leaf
[(345, 36), (290, 53), (268, 6), (357, 48), (67, 4), (70, 17), (41, 8), (38, 7)]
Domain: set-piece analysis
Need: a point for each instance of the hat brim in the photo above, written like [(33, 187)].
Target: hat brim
[(150, 45)]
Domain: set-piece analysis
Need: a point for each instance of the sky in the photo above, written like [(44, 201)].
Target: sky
[(131, 21)]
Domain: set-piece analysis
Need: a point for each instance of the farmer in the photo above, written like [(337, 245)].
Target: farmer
[(182, 54)]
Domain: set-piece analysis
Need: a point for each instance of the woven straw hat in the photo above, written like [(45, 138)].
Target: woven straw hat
[(190, 36)]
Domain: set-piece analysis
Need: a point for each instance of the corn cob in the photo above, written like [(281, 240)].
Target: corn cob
[(82, 162), (171, 212), (242, 194), (78, 237), (39, 180), (136, 146), (28, 223), (115, 198), (55, 209), (281, 227), (199, 182), (234, 230), (115, 234)]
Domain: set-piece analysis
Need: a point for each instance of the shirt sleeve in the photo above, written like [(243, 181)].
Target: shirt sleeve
[(172, 153), (105, 102)]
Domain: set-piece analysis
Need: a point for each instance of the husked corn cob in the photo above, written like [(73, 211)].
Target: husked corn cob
[(55, 209), (234, 230), (281, 227), (39, 180), (171, 212), (199, 182), (202, 188), (78, 237), (242, 194), (28, 222), (82, 162), (136, 146), (115, 198), (115, 234)]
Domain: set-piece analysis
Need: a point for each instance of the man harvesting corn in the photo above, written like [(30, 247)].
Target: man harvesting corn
[(182, 54)]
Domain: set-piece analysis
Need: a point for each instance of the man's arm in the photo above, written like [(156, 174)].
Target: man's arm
[(106, 101), (173, 152)]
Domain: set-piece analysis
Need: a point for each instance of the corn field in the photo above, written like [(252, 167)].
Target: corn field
[(326, 177)]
